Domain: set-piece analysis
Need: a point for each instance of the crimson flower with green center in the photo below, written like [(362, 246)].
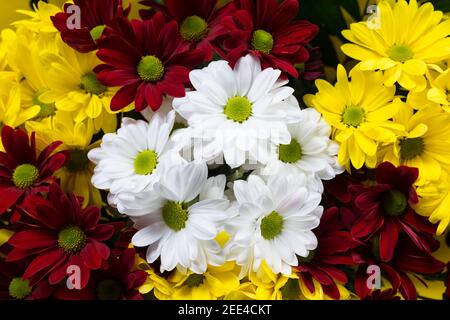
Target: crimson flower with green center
[(57, 233)]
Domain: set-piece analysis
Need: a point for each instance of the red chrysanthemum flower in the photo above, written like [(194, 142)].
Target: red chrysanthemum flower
[(385, 210), (95, 15), (407, 261), (267, 29), (147, 59), (199, 21), (22, 172), (334, 249), (56, 233), (120, 281)]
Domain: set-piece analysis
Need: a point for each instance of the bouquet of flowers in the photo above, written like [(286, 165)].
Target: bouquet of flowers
[(197, 151)]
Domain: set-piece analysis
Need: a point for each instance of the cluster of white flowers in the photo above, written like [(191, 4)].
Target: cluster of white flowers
[(248, 120)]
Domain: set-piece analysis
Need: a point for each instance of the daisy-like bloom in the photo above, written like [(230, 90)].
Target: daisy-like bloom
[(358, 112), (95, 15), (134, 158), (73, 87), (58, 233), (238, 113), (147, 59), (12, 285), (437, 95), (216, 282), (23, 172), (434, 201), (181, 225), (272, 222), (199, 21), (75, 176), (120, 281), (385, 208), (334, 249), (408, 262), (398, 47), (424, 145), (267, 29), (310, 150)]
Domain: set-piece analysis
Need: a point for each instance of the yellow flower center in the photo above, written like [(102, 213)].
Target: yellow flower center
[(97, 32), (193, 28), (411, 148), (271, 225), (394, 202), (145, 162), (290, 153), (175, 215), (19, 288), (194, 280), (353, 116), (291, 290), (262, 41), (238, 109), (150, 69), (25, 175), (71, 239), (400, 53), (90, 84)]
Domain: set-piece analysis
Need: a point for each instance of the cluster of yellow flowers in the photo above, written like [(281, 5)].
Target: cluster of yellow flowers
[(395, 106)]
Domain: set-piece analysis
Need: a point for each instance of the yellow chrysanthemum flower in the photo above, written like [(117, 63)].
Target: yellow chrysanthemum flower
[(38, 21), (73, 87), (358, 111), (155, 284), (76, 137), (437, 95), (215, 283), (424, 145), (408, 40), (434, 201)]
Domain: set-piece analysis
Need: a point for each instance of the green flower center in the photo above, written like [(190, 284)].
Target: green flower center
[(97, 32), (47, 109), (353, 116), (290, 153), (175, 215), (262, 41), (308, 258), (145, 162), (19, 288), (271, 225), (400, 53), (394, 202), (150, 69), (238, 109), (194, 280), (194, 28), (291, 290), (78, 161), (109, 289), (90, 84), (25, 175), (71, 239), (411, 148)]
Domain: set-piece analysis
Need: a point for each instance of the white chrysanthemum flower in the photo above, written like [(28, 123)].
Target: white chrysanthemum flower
[(185, 219), (310, 151), (272, 222), (240, 114), (133, 158)]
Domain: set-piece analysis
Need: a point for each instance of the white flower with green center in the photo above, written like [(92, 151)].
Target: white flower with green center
[(272, 222), (310, 151), (133, 158), (239, 113), (180, 226)]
